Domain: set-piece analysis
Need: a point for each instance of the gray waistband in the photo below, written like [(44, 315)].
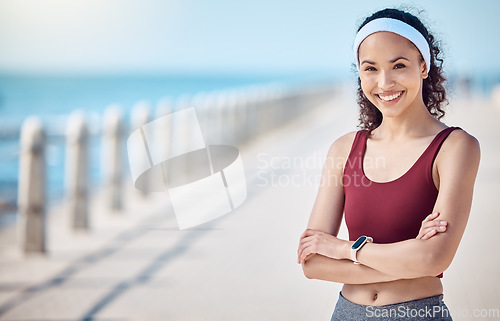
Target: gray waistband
[(431, 300), (430, 308)]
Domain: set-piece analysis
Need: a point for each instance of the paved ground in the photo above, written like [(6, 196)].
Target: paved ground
[(137, 265)]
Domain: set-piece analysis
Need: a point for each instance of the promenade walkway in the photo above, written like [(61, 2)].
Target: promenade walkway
[(137, 265)]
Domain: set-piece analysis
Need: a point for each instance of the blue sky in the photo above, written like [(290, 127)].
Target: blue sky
[(223, 36)]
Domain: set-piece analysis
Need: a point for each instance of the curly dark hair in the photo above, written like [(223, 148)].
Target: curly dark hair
[(433, 90)]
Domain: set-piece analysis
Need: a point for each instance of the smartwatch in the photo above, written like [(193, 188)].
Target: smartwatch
[(360, 242)]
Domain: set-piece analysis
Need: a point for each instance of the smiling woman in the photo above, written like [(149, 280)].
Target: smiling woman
[(399, 250), (433, 91), (385, 82)]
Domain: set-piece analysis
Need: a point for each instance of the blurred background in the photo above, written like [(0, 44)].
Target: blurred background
[(57, 56)]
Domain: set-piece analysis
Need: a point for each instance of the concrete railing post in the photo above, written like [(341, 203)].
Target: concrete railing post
[(268, 121), (163, 134), (113, 156), (163, 108), (199, 102), (251, 114), (208, 118), (282, 107), (32, 186), (218, 114), (239, 118), (495, 95), (227, 130), (141, 116), (77, 170), (260, 111)]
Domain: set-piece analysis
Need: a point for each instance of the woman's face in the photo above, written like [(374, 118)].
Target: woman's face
[(391, 72)]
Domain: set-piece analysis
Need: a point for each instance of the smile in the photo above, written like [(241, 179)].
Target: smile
[(390, 97)]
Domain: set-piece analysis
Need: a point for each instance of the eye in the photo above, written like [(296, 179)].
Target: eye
[(370, 68), (399, 66)]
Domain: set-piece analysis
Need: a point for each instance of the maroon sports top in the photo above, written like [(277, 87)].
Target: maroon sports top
[(391, 211)]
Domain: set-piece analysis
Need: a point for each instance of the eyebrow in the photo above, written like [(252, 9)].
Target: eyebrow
[(391, 61)]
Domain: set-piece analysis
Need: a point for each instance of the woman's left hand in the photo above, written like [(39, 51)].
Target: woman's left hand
[(314, 241)]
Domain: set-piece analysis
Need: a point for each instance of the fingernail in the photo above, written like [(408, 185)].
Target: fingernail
[(443, 222), (441, 228)]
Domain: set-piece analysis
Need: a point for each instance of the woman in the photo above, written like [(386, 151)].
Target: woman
[(388, 177)]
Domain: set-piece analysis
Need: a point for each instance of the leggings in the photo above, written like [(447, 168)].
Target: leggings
[(426, 309)]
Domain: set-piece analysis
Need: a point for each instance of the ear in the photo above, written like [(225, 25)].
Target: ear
[(423, 70)]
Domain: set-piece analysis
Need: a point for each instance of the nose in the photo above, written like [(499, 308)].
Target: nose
[(385, 80)]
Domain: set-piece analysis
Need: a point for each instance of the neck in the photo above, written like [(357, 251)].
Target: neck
[(416, 121)]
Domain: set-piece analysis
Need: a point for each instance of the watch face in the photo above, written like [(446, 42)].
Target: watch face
[(358, 242)]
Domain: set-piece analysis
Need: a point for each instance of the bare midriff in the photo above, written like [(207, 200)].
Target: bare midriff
[(392, 292)]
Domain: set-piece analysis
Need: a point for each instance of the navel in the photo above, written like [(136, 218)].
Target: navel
[(375, 296)]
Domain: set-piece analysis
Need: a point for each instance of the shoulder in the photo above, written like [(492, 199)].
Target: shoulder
[(339, 150), (459, 141), (342, 145), (460, 150)]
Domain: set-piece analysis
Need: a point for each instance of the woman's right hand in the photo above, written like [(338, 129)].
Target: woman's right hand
[(431, 226)]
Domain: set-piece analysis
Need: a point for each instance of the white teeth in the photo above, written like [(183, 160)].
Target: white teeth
[(391, 97)]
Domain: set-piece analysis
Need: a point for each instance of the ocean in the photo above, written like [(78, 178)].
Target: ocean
[(53, 98)]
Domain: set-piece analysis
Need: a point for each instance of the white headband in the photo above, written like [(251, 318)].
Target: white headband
[(397, 27)]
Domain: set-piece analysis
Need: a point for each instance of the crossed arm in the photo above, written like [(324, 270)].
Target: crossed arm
[(326, 257)]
